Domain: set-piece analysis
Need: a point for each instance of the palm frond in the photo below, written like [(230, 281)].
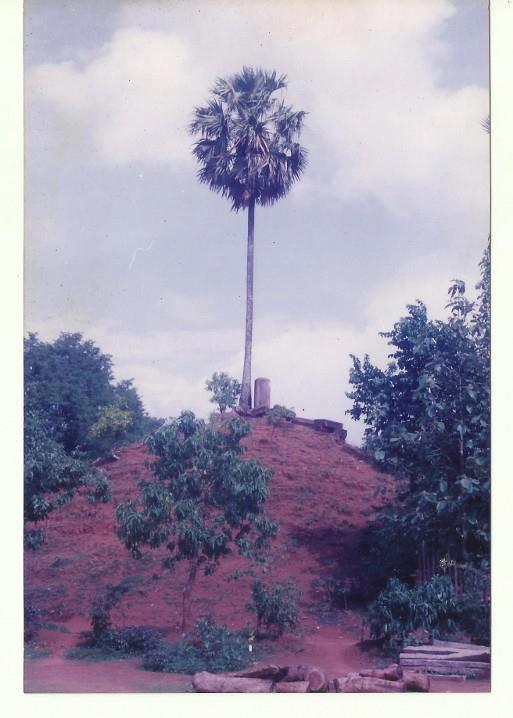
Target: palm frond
[(248, 139)]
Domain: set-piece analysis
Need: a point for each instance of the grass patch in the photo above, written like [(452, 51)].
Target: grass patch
[(116, 643)]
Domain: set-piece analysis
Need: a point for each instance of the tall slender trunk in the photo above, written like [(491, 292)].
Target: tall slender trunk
[(186, 596), (245, 394)]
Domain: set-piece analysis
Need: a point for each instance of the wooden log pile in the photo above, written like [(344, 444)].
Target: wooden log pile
[(310, 679), (447, 657)]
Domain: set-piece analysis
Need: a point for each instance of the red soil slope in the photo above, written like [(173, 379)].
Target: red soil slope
[(322, 494)]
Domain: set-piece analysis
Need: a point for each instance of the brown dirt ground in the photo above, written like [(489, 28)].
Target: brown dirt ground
[(322, 493)]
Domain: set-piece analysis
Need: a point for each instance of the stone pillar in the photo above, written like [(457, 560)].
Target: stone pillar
[(262, 393)]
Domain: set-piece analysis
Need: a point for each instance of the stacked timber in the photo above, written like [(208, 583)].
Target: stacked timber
[(310, 679), (447, 657)]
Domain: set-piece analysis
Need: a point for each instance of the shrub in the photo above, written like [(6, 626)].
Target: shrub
[(225, 390), (52, 477), (279, 415), (110, 431), (275, 607), (474, 607), (104, 641), (432, 606), (211, 648)]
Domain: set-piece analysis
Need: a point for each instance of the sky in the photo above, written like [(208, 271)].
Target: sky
[(123, 244)]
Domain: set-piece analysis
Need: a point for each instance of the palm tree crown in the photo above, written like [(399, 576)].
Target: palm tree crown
[(247, 147)]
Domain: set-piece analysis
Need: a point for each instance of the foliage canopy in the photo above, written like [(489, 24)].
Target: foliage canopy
[(427, 422), (225, 390), (248, 139), (70, 383), (205, 501), (51, 476)]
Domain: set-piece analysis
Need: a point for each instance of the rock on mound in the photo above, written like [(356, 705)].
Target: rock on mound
[(322, 493)]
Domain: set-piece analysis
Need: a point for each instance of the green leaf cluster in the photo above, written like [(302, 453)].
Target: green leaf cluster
[(247, 146), (225, 390), (433, 606), (70, 383), (210, 648), (279, 415), (51, 476), (427, 418), (206, 499)]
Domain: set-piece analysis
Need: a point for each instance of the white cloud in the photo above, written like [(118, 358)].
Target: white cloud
[(380, 126), (133, 98), (366, 72), (308, 362)]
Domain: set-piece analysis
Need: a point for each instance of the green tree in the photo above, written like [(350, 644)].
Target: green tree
[(248, 151), (66, 381), (204, 502), (427, 422), (69, 382), (225, 390)]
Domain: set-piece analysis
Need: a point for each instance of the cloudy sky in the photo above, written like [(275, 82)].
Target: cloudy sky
[(124, 245)]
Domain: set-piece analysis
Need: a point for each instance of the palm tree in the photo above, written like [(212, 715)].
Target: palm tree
[(248, 151)]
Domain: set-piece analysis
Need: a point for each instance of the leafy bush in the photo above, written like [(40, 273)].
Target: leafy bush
[(211, 648), (110, 429), (275, 607), (117, 643), (52, 477), (433, 606), (474, 607), (280, 415), (104, 641), (225, 390)]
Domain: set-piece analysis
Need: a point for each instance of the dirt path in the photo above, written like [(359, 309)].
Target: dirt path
[(329, 647)]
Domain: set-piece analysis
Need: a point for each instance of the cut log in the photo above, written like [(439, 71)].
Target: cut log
[(447, 653), (359, 684), (466, 667), (291, 687), (328, 426), (454, 644), (295, 673), (422, 660), (391, 673), (317, 681), (205, 682), (261, 411), (416, 682), (270, 671), (435, 678)]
